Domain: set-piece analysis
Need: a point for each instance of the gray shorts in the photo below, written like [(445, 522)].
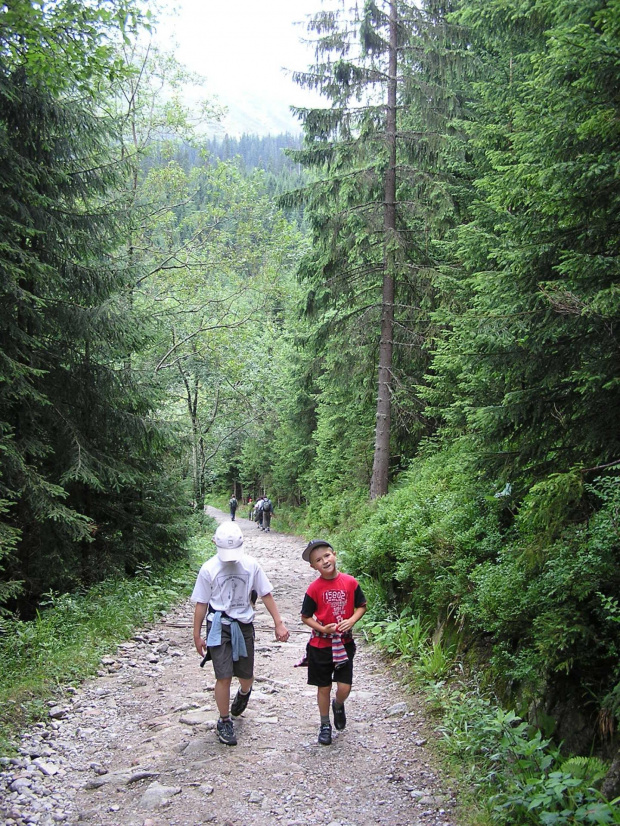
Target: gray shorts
[(222, 655)]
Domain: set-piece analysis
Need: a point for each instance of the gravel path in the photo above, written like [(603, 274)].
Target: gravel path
[(136, 746)]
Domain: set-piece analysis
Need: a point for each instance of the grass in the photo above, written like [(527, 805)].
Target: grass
[(64, 643)]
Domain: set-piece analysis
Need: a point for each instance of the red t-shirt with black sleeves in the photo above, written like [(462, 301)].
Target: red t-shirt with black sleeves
[(332, 600)]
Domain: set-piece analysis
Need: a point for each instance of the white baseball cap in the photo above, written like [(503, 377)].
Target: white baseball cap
[(229, 541)]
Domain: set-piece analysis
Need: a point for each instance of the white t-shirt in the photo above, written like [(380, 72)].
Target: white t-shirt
[(227, 586)]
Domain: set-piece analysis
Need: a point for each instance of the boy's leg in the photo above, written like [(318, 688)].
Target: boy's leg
[(320, 667), (246, 685), (323, 695), (221, 657), (344, 680), (340, 718), (325, 731), (222, 695), (243, 670), (342, 692), (224, 727), (240, 703)]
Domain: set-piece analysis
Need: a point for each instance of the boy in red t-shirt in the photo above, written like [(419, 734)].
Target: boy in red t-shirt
[(333, 603)]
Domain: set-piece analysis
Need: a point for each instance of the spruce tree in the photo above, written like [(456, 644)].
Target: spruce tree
[(81, 454), (369, 264), (529, 366)]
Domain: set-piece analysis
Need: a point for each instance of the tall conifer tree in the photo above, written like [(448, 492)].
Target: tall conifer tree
[(530, 366), (80, 455), (365, 211)]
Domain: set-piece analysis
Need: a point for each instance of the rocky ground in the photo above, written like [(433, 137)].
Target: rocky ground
[(136, 746)]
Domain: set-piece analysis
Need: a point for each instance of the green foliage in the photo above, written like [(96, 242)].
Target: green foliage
[(547, 615), (408, 639), (64, 642), (521, 774), (549, 504), (436, 662), (426, 537), (267, 153), (218, 342), (65, 45), (497, 532), (342, 438), (445, 547), (368, 274), (81, 464), (403, 637), (527, 362), (523, 777)]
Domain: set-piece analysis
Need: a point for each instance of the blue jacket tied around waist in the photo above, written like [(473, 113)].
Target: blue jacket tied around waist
[(236, 636)]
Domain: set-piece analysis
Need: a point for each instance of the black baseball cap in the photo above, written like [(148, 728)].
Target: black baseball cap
[(314, 543)]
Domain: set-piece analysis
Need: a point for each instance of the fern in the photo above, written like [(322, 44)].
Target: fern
[(590, 769)]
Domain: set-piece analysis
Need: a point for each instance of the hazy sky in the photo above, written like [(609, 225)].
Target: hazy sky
[(241, 47)]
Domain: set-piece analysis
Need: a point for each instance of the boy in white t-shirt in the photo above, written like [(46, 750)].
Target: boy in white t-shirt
[(224, 593)]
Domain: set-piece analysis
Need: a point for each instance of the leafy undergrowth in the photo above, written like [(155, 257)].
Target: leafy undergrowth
[(64, 643), (509, 773)]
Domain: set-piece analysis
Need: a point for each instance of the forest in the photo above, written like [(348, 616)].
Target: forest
[(401, 325)]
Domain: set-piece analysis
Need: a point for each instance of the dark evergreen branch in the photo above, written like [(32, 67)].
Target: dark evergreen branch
[(600, 467)]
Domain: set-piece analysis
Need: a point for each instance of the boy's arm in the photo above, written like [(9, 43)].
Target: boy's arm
[(330, 628), (347, 624), (308, 610), (200, 612), (282, 633)]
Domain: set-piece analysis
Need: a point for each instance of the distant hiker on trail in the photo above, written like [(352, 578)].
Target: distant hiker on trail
[(232, 504), (224, 593), (333, 603), (258, 512), (251, 507), (267, 513)]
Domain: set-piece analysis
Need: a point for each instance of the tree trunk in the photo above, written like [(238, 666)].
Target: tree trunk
[(196, 440), (381, 461), (611, 784), (191, 396), (196, 462)]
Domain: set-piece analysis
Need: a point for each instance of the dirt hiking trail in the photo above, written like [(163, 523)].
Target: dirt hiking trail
[(136, 746)]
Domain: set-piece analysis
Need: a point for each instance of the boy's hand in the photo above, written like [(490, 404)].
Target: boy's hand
[(345, 625), (282, 633), (201, 646), (330, 628)]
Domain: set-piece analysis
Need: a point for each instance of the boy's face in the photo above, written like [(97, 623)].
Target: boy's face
[(323, 560)]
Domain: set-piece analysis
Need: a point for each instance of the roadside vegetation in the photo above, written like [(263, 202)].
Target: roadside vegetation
[(63, 644), (508, 771)]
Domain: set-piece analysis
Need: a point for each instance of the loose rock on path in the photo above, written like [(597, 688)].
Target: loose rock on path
[(136, 746)]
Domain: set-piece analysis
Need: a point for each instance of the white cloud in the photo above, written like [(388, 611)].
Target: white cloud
[(242, 47)]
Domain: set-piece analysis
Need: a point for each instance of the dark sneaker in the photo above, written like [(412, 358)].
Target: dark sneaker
[(325, 734), (226, 732), (340, 718), (240, 703)]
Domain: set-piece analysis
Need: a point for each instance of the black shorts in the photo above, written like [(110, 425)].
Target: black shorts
[(321, 671), (222, 655)]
